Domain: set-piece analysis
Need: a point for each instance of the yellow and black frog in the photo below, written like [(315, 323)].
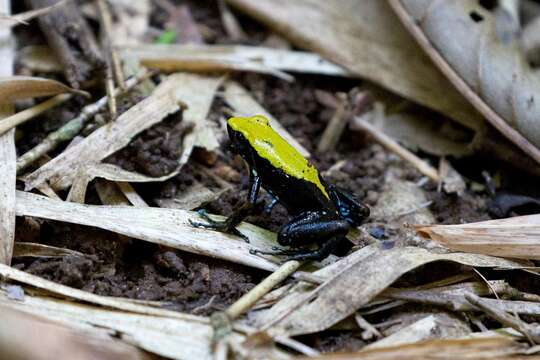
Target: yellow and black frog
[(321, 213)]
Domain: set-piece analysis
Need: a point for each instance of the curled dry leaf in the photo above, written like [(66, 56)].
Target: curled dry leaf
[(14, 88), (194, 90), (517, 237), (468, 43), (168, 227), (359, 282), (366, 38)]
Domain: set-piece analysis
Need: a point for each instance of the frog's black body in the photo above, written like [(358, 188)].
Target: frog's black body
[(317, 217)]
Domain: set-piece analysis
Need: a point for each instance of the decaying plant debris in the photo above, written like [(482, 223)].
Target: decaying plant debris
[(101, 179)]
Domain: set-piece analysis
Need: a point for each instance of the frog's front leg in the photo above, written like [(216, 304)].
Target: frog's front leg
[(229, 225)]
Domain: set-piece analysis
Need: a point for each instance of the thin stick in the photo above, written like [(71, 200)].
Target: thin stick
[(248, 300), (106, 24), (72, 128), (531, 332), (393, 146), (30, 113), (335, 127), (367, 327)]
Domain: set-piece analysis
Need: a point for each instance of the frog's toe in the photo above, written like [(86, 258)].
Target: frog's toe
[(222, 226)]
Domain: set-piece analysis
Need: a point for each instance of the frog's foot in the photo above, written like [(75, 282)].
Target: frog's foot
[(223, 226), (291, 254)]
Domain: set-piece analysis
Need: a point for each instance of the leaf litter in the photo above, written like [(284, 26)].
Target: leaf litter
[(420, 289)]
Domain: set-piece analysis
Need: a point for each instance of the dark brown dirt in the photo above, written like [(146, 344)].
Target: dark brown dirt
[(119, 266)]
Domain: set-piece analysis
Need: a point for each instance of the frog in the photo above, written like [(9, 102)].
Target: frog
[(320, 213)]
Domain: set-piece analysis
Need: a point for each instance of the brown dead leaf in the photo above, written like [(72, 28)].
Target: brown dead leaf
[(14, 88), (484, 63), (517, 237)]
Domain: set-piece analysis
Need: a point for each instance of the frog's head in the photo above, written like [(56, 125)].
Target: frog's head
[(349, 208), (243, 129)]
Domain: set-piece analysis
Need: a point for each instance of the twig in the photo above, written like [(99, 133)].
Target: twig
[(393, 146), (296, 345), (531, 332), (221, 321), (23, 116), (106, 25), (230, 23), (248, 300), (335, 127), (72, 128), (370, 331), (130, 193), (487, 283)]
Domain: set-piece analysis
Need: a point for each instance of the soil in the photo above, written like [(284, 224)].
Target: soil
[(120, 266)]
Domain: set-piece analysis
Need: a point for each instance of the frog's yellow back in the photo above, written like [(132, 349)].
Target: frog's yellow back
[(271, 146)]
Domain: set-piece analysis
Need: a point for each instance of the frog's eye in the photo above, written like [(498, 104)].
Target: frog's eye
[(260, 119)]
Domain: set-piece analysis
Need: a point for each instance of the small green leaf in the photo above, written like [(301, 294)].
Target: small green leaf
[(167, 37)]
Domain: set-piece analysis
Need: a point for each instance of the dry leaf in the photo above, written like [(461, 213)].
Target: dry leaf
[(14, 88), (358, 283), (421, 133), (110, 172), (168, 227), (484, 62), (30, 337), (230, 57), (449, 349), (154, 333), (436, 326), (197, 91), (366, 38), (8, 156), (517, 237), (27, 249)]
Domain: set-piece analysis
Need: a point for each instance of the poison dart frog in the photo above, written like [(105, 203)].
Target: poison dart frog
[(321, 213)]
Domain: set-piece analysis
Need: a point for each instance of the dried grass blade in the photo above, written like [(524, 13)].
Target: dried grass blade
[(478, 348), (8, 156), (14, 88), (168, 227), (517, 237)]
